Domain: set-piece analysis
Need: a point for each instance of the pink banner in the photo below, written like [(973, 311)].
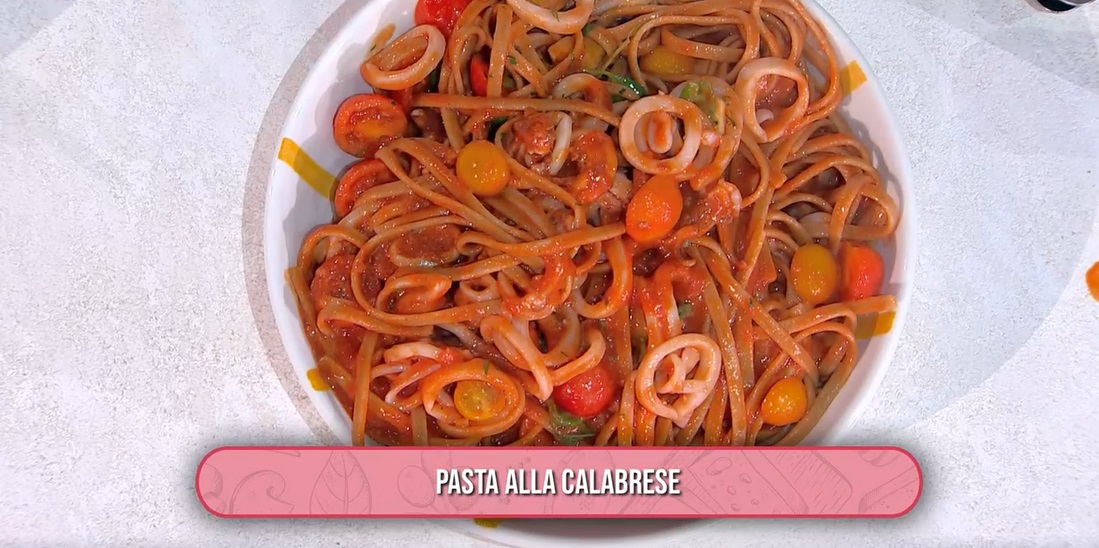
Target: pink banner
[(558, 482)]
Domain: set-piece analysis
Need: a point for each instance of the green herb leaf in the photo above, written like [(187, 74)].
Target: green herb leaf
[(616, 98), (684, 310), (543, 345), (690, 91), (485, 366), (623, 81), (433, 79), (509, 82), (567, 428), (494, 126), (511, 60), (588, 28), (701, 94)]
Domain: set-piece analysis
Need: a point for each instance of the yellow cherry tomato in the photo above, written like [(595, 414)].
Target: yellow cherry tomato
[(814, 273), (593, 55), (477, 400), (785, 403), (665, 62), (483, 168)]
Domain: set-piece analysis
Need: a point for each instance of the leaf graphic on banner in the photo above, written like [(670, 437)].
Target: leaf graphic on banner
[(210, 484), (341, 487), (291, 452), (893, 496), (415, 487), (258, 494)]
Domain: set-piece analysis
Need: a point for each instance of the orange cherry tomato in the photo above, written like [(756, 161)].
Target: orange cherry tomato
[(863, 272), (359, 178), (654, 210), (443, 14), (478, 76), (814, 273), (785, 403), (332, 280), (587, 394), (367, 121), (478, 400), (483, 168)]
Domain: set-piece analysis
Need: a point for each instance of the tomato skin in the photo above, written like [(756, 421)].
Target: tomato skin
[(483, 168), (443, 14), (332, 280), (654, 210), (365, 122), (814, 273), (404, 98), (785, 403), (863, 272), (587, 394), (478, 76), (359, 178)]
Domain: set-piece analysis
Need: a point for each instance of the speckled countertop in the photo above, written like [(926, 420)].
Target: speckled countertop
[(129, 346)]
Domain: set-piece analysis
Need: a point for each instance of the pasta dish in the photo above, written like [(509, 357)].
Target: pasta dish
[(596, 222)]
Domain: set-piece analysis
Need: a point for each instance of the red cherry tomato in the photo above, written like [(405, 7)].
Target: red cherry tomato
[(367, 121), (359, 178), (863, 272), (587, 394), (478, 76), (443, 14)]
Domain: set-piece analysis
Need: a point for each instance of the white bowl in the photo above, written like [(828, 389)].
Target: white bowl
[(293, 209)]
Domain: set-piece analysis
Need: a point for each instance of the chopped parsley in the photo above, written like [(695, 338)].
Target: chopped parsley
[(511, 60), (588, 28), (701, 94), (494, 126), (624, 81), (684, 310), (484, 367), (567, 428)]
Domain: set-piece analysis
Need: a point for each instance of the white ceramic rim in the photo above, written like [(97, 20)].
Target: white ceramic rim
[(836, 422)]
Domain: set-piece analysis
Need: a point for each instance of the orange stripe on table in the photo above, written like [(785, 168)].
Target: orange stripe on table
[(851, 77), (318, 178)]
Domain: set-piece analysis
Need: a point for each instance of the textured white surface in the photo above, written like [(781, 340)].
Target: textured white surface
[(128, 347)]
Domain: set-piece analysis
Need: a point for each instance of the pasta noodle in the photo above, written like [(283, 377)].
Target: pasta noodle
[(596, 222)]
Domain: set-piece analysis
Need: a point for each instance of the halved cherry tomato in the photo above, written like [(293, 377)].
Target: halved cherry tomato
[(359, 178), (478, 400), (332, 280), (441, 13), (654, 210), (785, 403), (587, 394), (478, 76), (863, 272), (367, 121)]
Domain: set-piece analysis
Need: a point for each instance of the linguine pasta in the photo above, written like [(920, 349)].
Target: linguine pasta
[(596, 222)]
